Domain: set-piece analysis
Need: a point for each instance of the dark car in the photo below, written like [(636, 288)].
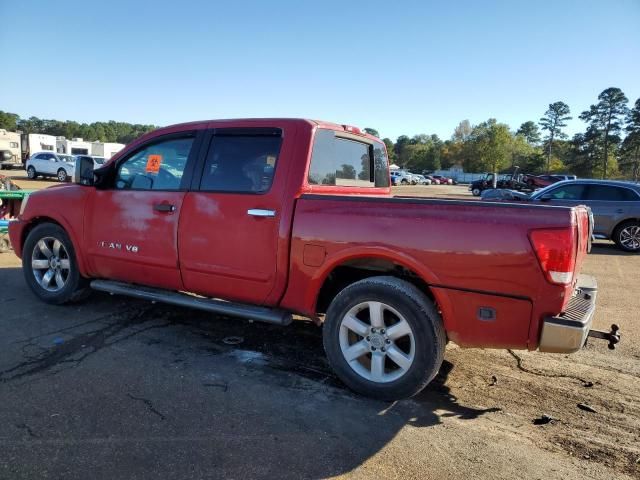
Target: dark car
[(496, 194), (615, 206), (540, 181), (505, 181)]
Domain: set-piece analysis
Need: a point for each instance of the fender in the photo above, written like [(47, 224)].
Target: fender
[(318, 277), (69, 214)]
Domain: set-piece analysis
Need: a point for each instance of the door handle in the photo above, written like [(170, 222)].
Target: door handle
[(619, 210), (164, 207), (259, 212)]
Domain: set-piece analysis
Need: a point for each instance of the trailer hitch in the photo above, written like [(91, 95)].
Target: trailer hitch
[(612, 336)]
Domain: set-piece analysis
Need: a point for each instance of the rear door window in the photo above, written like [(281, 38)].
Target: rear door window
[(610, 193), (347, 162), (241, 160)]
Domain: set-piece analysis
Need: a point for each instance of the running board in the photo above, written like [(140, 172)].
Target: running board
[(251, 312)]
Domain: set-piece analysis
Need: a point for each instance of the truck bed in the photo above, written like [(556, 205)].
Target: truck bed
[(468, 252)]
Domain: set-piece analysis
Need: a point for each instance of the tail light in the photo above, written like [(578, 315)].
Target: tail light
[(556, 252)]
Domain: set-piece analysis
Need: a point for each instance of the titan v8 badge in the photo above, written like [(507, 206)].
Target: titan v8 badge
[(118, 246)]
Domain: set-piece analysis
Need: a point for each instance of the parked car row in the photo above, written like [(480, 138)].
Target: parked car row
[(615, 206), (58, 165), (404, 177)]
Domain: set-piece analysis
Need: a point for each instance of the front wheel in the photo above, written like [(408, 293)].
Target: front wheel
[(62, 175), (31, 173), (627, 236), (384, 338), (50, 267), (476, 192)]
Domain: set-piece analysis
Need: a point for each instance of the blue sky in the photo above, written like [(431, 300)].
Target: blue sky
[(401, 67)]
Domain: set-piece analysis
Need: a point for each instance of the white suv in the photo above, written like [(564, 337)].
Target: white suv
[(51, 164)]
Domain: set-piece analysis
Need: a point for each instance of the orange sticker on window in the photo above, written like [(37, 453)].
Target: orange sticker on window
[(153, 163)]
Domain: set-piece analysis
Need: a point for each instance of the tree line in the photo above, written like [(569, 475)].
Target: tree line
[(608, 148), (111, 131)]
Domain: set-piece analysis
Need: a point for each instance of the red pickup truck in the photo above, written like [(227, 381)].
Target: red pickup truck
[(265, 218)]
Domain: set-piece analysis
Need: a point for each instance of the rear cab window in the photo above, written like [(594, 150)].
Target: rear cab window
[(346, 160)]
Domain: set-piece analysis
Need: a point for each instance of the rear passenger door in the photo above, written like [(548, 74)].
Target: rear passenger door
[(610, 205), (230, 236)]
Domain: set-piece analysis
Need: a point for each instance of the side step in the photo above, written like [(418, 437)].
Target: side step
[(251, 312)]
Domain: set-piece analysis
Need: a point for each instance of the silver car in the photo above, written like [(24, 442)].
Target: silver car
[(615, 206)]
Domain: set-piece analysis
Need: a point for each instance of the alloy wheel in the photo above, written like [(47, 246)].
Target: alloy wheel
[(50, 264), (377, 342)]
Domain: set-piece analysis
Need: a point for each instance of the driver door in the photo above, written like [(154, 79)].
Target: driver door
[(132, 224)]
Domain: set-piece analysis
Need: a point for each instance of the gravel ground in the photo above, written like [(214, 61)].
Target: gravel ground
[(116, 388)]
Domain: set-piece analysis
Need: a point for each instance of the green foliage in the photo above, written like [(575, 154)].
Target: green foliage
[(490, 144), (462, 132), (8, 121), (553, 121), (529, 130), (390, 150), (630, 150), (605, 118), (111, 131), (372, 131)]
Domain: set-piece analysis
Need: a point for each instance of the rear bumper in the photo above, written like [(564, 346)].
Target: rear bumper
[(567, 332)]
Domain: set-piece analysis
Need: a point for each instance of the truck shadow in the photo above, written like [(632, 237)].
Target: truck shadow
[(287, 365)]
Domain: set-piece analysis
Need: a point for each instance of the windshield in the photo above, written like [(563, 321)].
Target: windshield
[(99, 160), (67, 158)]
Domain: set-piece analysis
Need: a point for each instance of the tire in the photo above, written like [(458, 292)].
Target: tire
[(70, 286), (62, 175), (476, 192), (627, 236), (404, 182), (31, 173), (401, 305)]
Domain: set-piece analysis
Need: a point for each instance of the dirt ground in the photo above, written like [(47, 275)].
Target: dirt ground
[(121, 388)]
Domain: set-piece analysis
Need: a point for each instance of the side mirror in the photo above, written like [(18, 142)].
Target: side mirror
[(83, 174), (546, 197)]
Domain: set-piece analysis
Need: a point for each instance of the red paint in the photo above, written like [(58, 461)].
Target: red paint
[(471, 254)]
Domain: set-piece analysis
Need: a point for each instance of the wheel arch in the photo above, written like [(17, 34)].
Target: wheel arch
[(625, 220), (35, 221), (354, 265)]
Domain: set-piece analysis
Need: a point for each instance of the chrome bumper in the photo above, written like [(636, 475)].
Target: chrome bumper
[(567, 332)]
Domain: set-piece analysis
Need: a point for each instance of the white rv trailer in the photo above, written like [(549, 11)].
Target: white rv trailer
[(106, 150), (36, 142), (74, 146), (10, 155)]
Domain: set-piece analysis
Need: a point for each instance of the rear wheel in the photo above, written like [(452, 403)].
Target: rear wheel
[(384, 338), (627, 236), (50, 267), (31, 173)]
